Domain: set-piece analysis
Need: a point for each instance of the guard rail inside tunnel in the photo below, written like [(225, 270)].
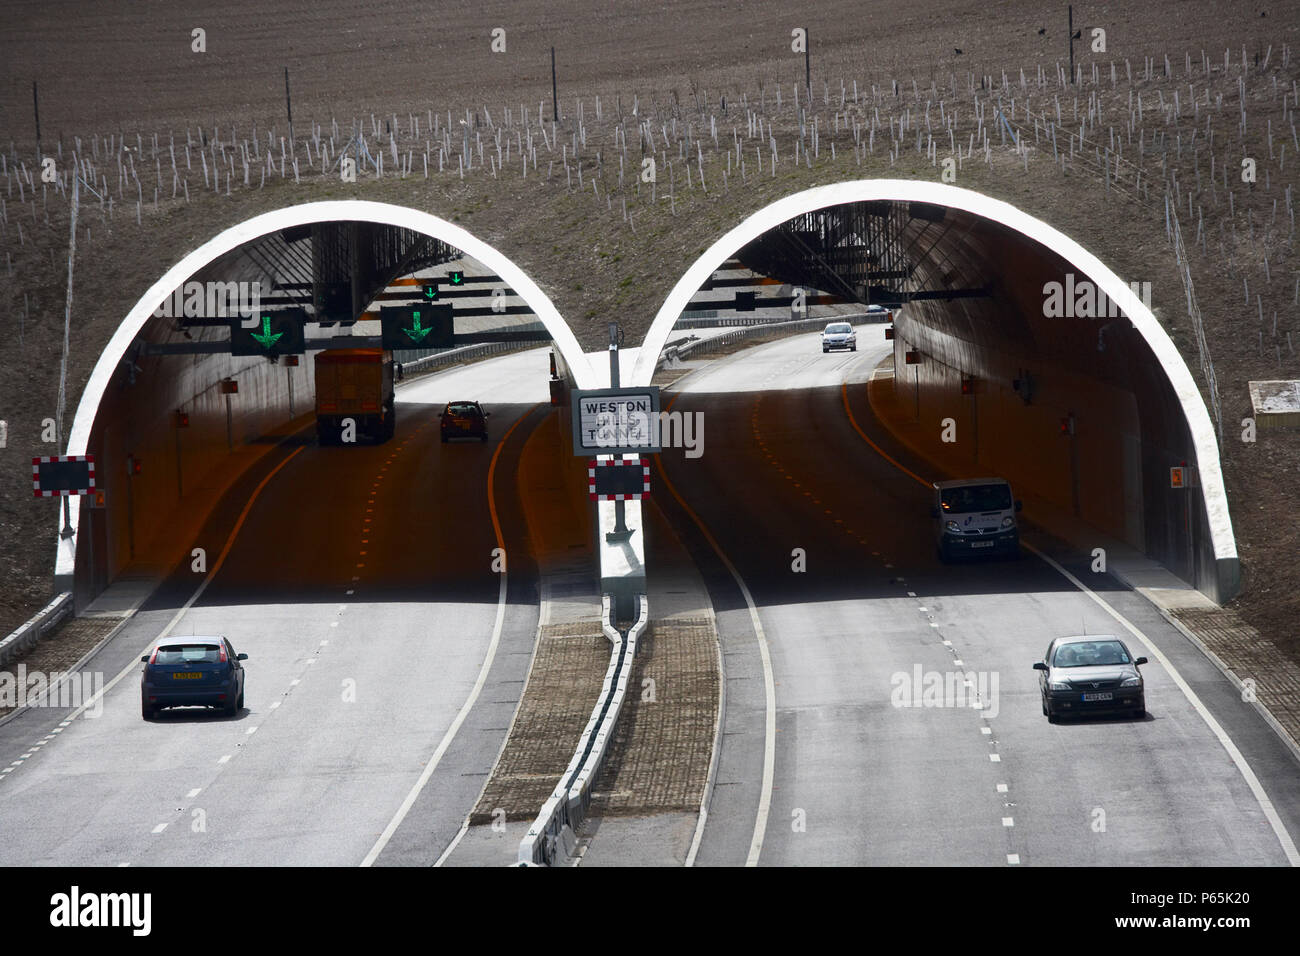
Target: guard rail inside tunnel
[(1054, 372)]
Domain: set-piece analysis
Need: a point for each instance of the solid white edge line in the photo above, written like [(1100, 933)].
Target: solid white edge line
[(450, 735), (497, 625), (712, 775), (1243, 766), (769, 683)]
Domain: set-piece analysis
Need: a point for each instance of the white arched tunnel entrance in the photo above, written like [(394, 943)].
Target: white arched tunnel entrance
[(118, 350), (1149, 384)]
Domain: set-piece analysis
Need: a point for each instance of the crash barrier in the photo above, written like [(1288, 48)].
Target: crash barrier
[(752, 327), (454, 356), (711, 320), (44, 621), (551, 838)]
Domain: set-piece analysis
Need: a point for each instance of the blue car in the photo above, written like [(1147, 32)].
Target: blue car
[(192, 671)]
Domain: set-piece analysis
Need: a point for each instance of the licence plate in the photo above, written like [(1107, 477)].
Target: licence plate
[(981, 544), (1105, 696), (187, 676)]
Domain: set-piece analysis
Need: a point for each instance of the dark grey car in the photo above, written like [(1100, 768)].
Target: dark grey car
[(1092, 673)]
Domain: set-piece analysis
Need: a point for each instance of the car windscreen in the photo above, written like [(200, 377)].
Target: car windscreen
[(968, 498), (188, 654), (840, 329), (1090, 654)]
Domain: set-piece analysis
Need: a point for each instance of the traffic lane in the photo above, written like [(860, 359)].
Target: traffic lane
[(322, 778), (518, 378), (1169, 793), (851, 782), (176, 761), (914, 562), (1171, 780)]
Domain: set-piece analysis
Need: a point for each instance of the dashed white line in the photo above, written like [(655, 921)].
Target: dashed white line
[(160, 828), (193, 793)]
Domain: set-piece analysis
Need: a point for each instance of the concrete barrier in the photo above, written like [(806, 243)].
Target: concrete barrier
[(466, 353), (44, 621), (552, 837), (747, 328)]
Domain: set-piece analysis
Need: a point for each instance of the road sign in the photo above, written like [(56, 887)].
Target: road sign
[(274, 333), (416, 326), (744, 302), (618, 479), (456, 277), (63, 475), (1177, 478), (616, 420)]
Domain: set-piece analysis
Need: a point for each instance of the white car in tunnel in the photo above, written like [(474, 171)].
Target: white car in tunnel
[(839, 335), (975, 517)]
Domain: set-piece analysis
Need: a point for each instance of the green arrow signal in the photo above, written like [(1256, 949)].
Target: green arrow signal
[(268, 338), (417, 333), (457, 278), (431, 292)]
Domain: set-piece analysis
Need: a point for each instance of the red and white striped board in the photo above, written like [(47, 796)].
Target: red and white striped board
[(628, 473), (82, 481)]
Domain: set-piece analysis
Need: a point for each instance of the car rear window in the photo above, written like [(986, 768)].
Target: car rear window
[(188, 654), (462, 409), (969, 498)]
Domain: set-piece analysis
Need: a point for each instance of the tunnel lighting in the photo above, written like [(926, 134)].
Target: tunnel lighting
[(913, 357), (291, 361), (229, 386), (889, 332)]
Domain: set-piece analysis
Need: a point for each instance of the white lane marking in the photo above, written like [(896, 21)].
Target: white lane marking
[(1013, 858), (996, 758), (294, 682), (986, 730), (1243, 766), (193, 793), (455, 841), (1008, 822), (1002, 788), (121, 865), (769, 681), (160, 828), (198, 592), (274, 704), (497, 626), (224, 759)]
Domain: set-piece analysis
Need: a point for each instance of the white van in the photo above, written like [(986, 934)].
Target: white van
[(973, 517)]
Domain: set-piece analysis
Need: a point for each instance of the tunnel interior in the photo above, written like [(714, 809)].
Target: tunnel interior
[(1012, 361), (180, 414)]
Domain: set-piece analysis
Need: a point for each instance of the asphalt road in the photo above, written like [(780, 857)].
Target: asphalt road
[(360, 582), (853, 775)]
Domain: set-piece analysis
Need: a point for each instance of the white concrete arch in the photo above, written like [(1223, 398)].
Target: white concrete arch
[(302, 215), (904, 190)]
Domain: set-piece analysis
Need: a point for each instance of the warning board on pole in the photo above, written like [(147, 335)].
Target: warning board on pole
[(610, 420), (63, 475), (618, 479)]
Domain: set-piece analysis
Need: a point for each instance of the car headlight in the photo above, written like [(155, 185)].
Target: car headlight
[(953, 527), (1131, 682), (1059, 685), (1008, 521)]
